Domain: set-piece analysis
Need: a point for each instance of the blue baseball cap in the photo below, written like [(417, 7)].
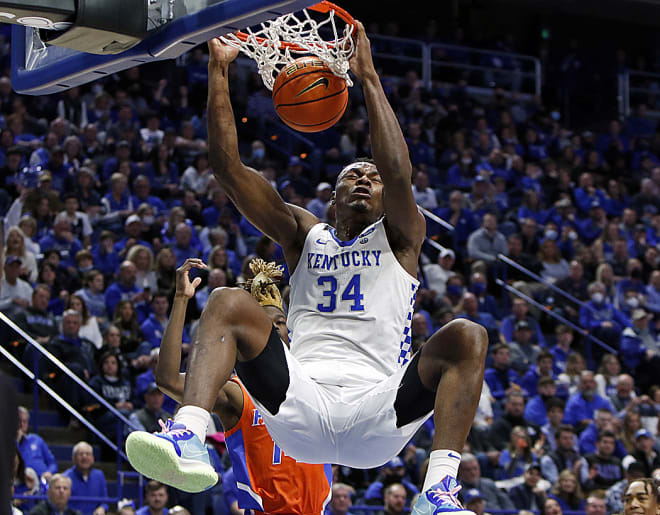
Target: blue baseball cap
[(471, 495), (643, 432), (394, 463)]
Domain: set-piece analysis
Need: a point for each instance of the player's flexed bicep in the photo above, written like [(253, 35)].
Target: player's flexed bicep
[(251, 193)]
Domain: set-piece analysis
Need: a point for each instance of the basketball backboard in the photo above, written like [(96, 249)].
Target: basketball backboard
[(41, 69)]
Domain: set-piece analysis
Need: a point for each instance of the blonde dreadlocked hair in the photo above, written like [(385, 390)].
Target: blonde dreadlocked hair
[(263, 286)]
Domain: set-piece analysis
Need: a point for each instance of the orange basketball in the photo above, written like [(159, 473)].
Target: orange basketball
[(308, 97)]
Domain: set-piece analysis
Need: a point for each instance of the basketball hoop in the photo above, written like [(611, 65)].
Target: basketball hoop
[(280, 41)]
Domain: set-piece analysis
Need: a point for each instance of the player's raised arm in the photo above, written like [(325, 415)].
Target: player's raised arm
[(168, 377), (404, 222), (250, 192)]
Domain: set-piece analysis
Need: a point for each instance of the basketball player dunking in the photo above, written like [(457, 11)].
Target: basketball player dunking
[(267, 480), (347, 391)]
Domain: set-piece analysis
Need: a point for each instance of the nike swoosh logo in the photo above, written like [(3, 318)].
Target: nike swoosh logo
[(323, 81), (455, 456), (321, 242)]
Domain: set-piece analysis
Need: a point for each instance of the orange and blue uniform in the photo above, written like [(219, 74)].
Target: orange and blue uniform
[(268, 481)]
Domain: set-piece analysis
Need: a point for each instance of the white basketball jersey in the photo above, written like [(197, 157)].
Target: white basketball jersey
[(351, 307)]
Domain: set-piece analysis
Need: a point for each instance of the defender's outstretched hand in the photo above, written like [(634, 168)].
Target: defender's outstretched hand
[(221, 52), (184, 287), (361, 62)]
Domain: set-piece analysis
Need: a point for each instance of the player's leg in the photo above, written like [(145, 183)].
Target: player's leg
[(451, 363), (232, 326)]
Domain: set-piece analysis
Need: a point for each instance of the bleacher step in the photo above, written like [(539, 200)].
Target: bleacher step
[(62, 435), (62, 452), (27, 399)]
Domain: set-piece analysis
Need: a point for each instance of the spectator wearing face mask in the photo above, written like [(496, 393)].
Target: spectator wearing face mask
[(601, 318), (487, 303), (631, 287)]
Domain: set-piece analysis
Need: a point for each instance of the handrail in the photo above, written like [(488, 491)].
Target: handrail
[(471, 51), (425, 59), (65, 369), (435, 244), (540, 279), (436, 218), (61, 401), (563, 320)]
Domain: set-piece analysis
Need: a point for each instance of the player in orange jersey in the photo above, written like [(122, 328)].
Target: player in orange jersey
[(268, 481)]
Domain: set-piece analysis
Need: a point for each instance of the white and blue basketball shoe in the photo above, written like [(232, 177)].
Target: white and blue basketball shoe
[(441, 498), (175, 456)]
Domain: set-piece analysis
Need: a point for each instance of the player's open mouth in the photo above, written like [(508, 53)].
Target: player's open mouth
[(361, 192)]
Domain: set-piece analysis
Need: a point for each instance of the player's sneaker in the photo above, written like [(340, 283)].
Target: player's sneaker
[(175, 456), (441, 498)]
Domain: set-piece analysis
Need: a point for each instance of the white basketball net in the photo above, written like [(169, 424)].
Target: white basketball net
[(280, 41)]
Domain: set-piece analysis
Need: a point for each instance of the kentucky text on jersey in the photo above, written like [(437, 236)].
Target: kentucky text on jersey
[(350, 258)]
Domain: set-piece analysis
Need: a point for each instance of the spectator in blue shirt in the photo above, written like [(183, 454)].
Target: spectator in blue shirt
[(601, 318), (586, 194), (561, 350), (500, 378), (630, 292), (142, 194), (543, 368), (86, 481), (155, 497), (125, 289), (133, 230), (33, 448), (462, 173), (652, 303), (603, 421), (183, 248), (487, 303), (394, 471), (463, 220), (640, 346), (591, 228), (535, 409), (154, 326), (92, 294), (117, 204), (106, 259), (582, 405), (520, 311), (212, 213), (531, 208), (62, 240)]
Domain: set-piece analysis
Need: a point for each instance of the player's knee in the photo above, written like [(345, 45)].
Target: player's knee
[(226, 303), (471, 337)]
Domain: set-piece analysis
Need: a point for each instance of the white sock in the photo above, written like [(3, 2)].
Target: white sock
[(194, 418), (441, 463)]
